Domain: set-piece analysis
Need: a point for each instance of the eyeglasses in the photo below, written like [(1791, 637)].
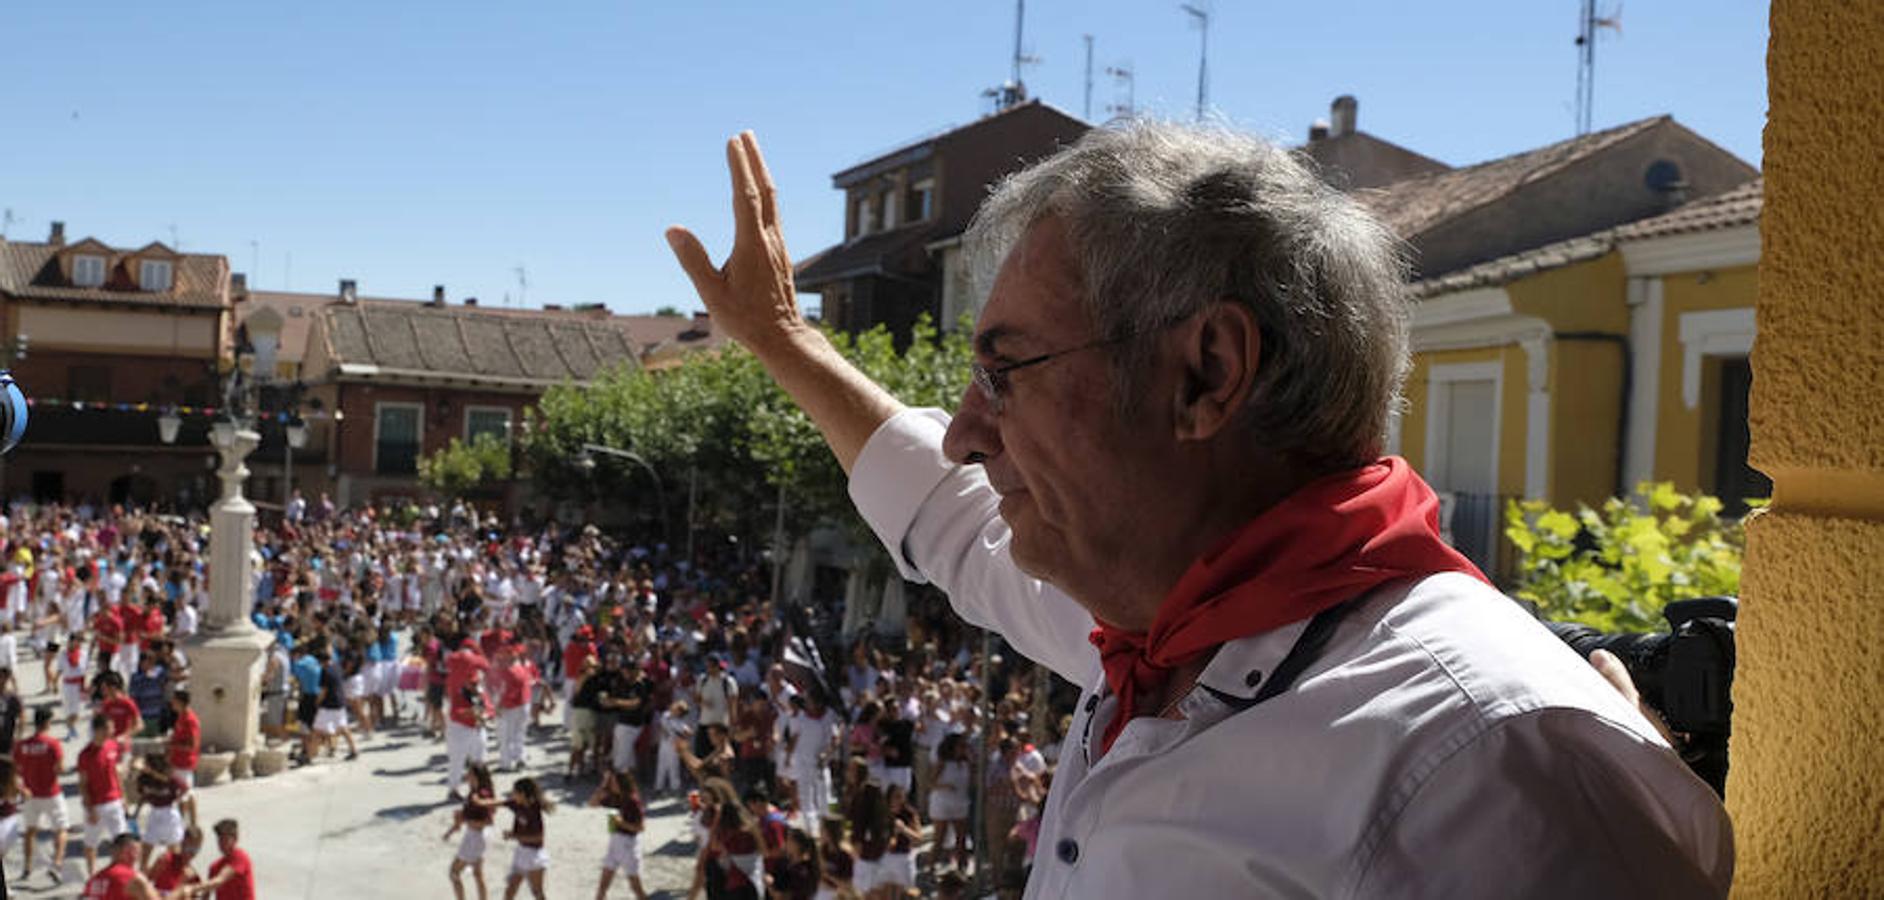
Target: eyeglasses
[(993, 382)]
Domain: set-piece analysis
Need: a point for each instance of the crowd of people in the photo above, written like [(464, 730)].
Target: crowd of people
[(104, 601), (664, 678)]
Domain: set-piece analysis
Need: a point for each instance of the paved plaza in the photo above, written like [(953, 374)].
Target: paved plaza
[(372, 827)]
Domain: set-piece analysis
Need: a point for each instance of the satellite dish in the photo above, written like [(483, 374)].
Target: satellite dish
[(1663, 177)]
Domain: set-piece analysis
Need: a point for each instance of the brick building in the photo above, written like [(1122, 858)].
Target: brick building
[(904, 214), (388, 381), (115, 335)]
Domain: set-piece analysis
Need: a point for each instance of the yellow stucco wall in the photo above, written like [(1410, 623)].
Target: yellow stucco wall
[(1806, 789), (1684, 438), (1585, 375), (1511, 410)]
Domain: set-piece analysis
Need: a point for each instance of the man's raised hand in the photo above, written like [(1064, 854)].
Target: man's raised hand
[(752, 295)]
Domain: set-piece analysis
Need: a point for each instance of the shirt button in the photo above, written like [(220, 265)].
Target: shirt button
[(1067, 850), (1254, 678)]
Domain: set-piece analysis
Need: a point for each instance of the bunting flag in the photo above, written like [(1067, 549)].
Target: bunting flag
[(206, 411)]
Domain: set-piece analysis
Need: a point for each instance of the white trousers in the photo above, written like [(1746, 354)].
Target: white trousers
[(622, 755), (814, 795), (666, 767), (462, 743), (511, 723)]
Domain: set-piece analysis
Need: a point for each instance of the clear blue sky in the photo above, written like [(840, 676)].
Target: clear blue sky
[(411, 143)]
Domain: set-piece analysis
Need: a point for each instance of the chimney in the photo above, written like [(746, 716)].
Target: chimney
[(349, 291), (238, 283), (703, 322), (1341, 115), (552, 307), (57, 239), (1318, 130), (438, 295), (470, 301)]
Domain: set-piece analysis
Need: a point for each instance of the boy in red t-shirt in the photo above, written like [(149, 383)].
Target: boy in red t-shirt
[(186, 744), (100, 790), (126, 720), (232, 877), (39, 759), (173, 870), (516, 683)]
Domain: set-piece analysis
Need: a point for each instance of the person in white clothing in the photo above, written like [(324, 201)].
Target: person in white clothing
[(809, 736), (1295, 687)]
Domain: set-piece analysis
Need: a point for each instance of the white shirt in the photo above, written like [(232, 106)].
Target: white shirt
[(813, 739), (1443, 744)]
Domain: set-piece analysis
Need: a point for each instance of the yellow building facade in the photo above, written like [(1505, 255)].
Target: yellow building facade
[(1573, 372)]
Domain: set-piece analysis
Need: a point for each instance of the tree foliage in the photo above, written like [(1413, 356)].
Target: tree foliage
[(462, 467), (717, 420), (1615, 568)]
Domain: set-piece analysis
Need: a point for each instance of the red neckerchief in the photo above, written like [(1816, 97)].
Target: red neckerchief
[(1334, 539)]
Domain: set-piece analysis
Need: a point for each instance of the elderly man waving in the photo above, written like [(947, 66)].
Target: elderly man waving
[(1166, 484)]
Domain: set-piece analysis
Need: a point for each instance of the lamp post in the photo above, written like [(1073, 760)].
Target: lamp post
[(228, 653), (294, 429), (586, 460)]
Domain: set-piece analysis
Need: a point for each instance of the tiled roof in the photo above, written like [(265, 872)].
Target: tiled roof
[(30, 271), (1506, 269), (1735, 208), (1740, 206), (397, 339), (1415, 205), (870, 253)]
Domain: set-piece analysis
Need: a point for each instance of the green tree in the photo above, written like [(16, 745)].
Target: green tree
[(460, 467), (718, 422), (1615, 568)]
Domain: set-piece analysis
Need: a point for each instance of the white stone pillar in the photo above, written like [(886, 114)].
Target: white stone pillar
[(227, 655)]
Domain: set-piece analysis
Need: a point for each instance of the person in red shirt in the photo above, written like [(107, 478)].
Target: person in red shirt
[(232, 877), (186, 744), (100, 790), (39, 759), (470, 709), (173, 870), (153, 626), (580, 649), (121, 710), (516, 683), (108, 634), (121, 880)]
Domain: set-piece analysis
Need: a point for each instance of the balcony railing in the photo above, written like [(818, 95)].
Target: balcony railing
[(1473, 523), (397, 458)]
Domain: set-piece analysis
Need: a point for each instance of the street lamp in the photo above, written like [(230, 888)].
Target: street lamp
[(585, 460), (295, 430)]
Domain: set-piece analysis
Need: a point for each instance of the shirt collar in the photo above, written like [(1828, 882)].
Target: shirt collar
[(1240, 667)]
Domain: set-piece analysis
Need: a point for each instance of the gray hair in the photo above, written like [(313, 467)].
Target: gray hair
[(1166, 219)]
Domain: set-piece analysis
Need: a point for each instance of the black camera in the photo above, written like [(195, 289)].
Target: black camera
[(12, 413), (1685, 673)]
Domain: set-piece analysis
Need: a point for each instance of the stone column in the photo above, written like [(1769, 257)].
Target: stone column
[(227, 655)]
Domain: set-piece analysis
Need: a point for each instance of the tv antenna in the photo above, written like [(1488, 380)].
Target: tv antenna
[(523, 285), (1014, 92), (1201, 15), (1588, 22), (1123, 77), (6, 222), (1088, 113)]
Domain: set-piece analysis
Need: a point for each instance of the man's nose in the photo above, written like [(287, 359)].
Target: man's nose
[(973, 437)]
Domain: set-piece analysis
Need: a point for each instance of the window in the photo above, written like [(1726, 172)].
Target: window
[(1735, 482), (154, 275), (88, 384), (888, 201), (88, 271), (1462, 429), (920, 204), (491, 420), (396, 433), (863, 220)]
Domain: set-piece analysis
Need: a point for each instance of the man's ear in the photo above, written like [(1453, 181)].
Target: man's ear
[(1218, 353)]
